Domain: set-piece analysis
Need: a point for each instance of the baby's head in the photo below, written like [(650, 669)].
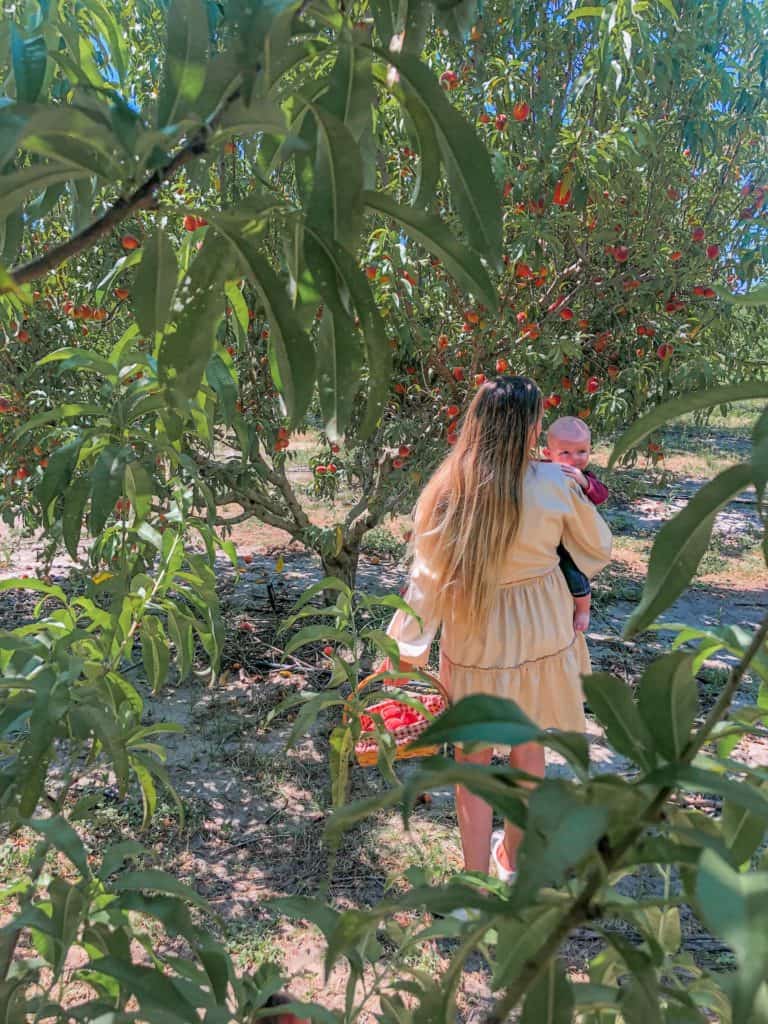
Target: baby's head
[(569, 442)]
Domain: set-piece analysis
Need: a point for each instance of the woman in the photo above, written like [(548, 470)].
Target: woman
[(485, 567)]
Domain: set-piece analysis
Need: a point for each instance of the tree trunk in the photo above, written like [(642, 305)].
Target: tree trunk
[(342, 565)]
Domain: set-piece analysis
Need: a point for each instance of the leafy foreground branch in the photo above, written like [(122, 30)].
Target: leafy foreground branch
[(581, 839), (583, 908)]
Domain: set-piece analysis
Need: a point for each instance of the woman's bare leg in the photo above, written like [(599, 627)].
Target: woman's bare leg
[(528, 757), (475, 817)]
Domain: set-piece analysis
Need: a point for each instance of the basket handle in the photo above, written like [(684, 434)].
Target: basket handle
[(433, 680)]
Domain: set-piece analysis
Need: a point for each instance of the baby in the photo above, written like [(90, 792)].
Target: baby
[(569, 444)]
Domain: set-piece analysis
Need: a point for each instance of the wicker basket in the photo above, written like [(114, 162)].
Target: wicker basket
[(435, 702)]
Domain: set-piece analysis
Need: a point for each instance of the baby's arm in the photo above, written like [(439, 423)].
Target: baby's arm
[(595, 490)]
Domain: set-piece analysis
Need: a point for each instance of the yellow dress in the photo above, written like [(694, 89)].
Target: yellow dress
[(528, 650)]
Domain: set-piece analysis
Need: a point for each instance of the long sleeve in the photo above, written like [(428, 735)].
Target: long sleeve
[(585, 533), (414, 640), (596, 490)]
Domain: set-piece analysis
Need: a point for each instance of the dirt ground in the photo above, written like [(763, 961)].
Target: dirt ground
[(255, 812)]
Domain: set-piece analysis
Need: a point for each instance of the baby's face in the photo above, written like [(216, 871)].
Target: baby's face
[(570, 451)]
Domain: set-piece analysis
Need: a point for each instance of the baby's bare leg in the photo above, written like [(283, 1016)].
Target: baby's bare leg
[(581, 607)]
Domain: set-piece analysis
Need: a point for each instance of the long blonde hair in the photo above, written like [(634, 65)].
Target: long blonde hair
[(470, 509)]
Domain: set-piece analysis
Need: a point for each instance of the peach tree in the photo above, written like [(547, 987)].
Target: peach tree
[(613, 162)]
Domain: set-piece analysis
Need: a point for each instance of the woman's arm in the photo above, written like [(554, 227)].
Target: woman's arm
[(414, 638), (385, 665), (585, 533)]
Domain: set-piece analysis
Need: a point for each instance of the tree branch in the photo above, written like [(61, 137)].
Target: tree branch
[(124, 207)]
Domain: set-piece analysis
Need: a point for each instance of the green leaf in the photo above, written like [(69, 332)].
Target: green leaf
[(335, 208), (218, 967), (45, 202), (743, 830), (62, 412), (11, 234), (159, 881), (669, 6), (640, 999), (495, 786), (77, 138), (339, 359), (106, 730), (386, 15), (34, 757), (77, 359), (289, 343), (155, 283), (518, 939), (219, 376), (377, 348), (456, 16), (309, 710), (326, 583), (483, 719), (17, 185), (467, 163), (677, 407), (313, 634), (106, 487), (427, 229), (29, 59), (351, 96), (184, 354), (35, 585), (428, 169), (680, 545), (560, 832), (139, 488), (60, 834), (260, 115), (341, 744), (180, 632), (186, 60), (8, 284), (668, 701), (668, 930), (550, 998), (339, 353), (65, 132), (239, 308), (150, 986), (112, 32), (14, 122), (154, 652), (304, 908), (611, 701), (115, 855), (61, 466), (735, 907), (755, 297), (586, 12), (698, 780), (759, 457), (75, 500), (67, 905)]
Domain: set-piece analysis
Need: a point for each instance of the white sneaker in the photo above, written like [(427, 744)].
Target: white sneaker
[(504, 874)]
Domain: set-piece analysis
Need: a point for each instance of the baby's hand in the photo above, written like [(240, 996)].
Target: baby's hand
[(575, 474)]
